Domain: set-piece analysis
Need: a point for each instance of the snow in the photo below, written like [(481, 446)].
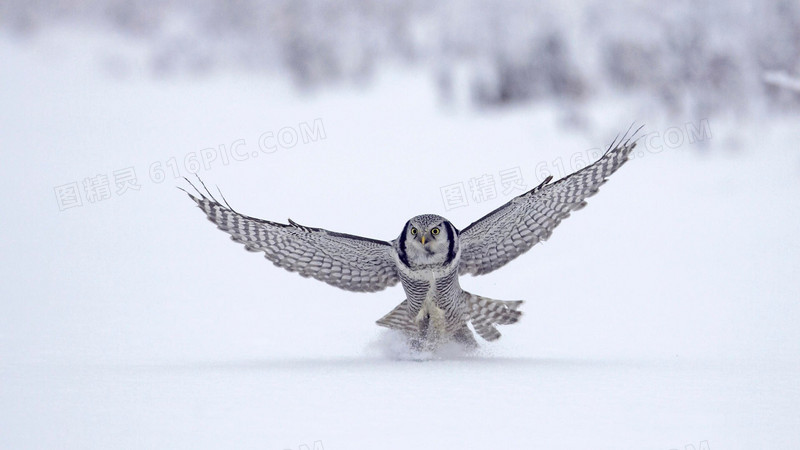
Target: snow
[(663, 315)]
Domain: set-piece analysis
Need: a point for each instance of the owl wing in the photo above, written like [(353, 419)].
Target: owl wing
[(348, 262), (515, 227)]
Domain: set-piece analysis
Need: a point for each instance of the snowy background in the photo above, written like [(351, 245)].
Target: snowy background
[(665, 315)]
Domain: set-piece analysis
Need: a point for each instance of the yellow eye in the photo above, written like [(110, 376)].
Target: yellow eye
[(435, 231), (413, 231)]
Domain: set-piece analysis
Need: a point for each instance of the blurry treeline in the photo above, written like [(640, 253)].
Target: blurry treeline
[(693, 57)]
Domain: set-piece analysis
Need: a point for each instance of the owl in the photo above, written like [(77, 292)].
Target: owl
[(428, 256)]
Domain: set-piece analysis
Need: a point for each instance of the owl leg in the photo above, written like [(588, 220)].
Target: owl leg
[(420, 342), (426, 338), (465, 337)]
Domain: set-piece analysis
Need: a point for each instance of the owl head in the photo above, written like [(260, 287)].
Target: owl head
[(428, 240)]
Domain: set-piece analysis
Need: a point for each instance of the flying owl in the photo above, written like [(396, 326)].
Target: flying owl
[(429, 255)]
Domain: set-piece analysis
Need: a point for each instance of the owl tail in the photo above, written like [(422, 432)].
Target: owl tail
[(398, 319), (485, 313)]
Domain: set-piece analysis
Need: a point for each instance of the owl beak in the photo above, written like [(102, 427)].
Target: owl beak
[(423, 240)]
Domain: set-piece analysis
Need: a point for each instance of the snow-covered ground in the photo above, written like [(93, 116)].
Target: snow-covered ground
[(664, 315)]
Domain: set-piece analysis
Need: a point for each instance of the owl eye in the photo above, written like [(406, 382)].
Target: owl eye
[(413, 231), (435, 231)]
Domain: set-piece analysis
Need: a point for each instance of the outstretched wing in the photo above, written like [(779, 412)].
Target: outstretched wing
[(349, 262), (515, 227)]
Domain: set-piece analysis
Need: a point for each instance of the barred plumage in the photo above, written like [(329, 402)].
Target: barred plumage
[(428, 256), (349, 262), (531, 217)]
